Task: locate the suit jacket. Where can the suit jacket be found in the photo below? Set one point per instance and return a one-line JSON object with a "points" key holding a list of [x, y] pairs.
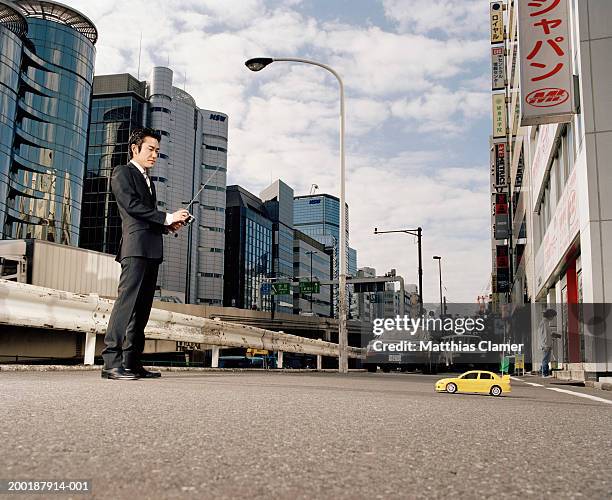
{"points": [[142, 224]]}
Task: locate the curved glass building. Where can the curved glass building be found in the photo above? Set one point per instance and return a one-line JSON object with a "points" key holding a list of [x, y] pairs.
{"points": [[46, 78]]}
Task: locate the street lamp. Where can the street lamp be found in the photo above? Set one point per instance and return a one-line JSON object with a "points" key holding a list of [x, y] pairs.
{"points": [[257, 64], [311, 252], [418, 232], [439, 259]]}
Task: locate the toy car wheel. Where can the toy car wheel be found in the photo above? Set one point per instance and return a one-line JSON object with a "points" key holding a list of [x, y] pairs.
{"points": [[451, 388], [496, 390]]}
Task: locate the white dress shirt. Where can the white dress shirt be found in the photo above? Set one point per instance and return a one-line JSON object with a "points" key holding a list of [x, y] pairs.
{"points": [[148, 181]]}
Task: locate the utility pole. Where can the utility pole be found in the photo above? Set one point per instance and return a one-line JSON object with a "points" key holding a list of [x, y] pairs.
{"points": [[418, 232]]}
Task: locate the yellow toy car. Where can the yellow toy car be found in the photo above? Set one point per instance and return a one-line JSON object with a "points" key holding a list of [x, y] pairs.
{"points": [[475, 381]]}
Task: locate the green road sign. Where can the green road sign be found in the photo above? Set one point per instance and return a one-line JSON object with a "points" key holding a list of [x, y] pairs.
{"points": [[310, 287], [281, 288]]}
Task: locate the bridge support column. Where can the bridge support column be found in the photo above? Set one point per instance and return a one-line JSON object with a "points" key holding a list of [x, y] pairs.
{"points": [[90, 348], [279, 360], [319, 362], [215, 357]]}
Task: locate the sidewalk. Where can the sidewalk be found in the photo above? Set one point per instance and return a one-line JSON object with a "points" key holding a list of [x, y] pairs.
{"points": [[552, 380]]}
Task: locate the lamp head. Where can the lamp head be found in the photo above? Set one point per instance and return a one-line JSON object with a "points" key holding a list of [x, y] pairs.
{"points": [[258, 63], [437, 257]]}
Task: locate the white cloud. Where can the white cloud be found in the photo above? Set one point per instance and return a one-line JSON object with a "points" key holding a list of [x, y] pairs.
{"points": [[450, 17], [450, 206], [424, 76], [441, 109], [378, 62]]}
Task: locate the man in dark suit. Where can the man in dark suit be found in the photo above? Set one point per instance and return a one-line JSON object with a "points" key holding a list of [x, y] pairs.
{"points": [[140, 254]]}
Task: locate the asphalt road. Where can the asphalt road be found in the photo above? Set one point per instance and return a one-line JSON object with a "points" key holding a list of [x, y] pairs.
{"points": [[320, 435]]}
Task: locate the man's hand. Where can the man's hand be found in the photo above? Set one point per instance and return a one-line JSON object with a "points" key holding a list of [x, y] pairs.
{"points": [[179, 216], [175, 226]]}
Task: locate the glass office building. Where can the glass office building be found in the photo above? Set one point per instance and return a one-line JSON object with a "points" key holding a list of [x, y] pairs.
{"points": [[193, 155], [278, 200], [318, 216], [248, 257], [46, 71], [311, 262], [118, 106]]}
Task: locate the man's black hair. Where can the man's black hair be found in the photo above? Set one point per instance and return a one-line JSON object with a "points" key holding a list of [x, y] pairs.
{"points": [[138, 136]]}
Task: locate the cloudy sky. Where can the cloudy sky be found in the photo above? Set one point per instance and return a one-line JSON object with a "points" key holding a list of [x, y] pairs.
{"points": [[416, 76]]}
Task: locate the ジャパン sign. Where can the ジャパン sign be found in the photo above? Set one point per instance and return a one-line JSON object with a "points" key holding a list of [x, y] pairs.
{"points": [[547, 84]]}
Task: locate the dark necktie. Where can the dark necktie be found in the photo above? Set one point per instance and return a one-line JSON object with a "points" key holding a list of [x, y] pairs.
{"points": [[148, 181]]}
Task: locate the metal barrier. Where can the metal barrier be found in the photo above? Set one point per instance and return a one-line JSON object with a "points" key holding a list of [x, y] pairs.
{"points": [[28, 305]]}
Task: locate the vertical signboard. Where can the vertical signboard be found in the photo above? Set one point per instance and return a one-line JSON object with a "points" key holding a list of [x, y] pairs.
{"points": [[503, 272], [497, 22], [500, 165], [501, 217], [498, 68], [499, 116], [547, 85]]}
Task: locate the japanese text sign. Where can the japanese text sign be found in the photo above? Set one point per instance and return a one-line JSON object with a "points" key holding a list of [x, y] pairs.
{"points": [[546, 70], [498, 68], [499, 115], [497, 22]]}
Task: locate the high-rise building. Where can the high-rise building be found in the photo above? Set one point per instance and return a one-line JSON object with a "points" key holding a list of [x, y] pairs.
{"points": [[318, 216], [311, 263], [193, 155], [249, 256], [278, 199], [551, 175], [118, 106], [46, 74]]}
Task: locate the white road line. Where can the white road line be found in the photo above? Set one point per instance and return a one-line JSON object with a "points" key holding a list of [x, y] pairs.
{"points": [[525, 382], [579, 394]]}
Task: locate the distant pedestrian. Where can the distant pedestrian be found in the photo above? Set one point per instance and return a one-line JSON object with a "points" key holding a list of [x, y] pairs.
{"points": [[545, 337]]}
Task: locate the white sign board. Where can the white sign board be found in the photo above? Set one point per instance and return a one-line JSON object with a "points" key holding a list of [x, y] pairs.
{"points": [[499, 115], [498, 68], [547, 88]]}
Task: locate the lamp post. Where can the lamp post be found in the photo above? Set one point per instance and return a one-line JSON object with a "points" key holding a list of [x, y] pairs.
{"points": [[418, 232], [257, 64], [311, 252], [439, 259]]}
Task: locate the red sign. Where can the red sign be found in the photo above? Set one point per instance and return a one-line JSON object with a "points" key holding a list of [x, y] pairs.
{"points": [[545, 98], [502, 260]]}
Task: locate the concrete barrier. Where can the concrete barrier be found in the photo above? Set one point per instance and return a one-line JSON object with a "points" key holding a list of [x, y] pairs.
{"points": [[28, 305]]}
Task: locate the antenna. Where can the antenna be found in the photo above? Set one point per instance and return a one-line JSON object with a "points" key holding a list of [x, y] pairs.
{"points": [[139, 55]]}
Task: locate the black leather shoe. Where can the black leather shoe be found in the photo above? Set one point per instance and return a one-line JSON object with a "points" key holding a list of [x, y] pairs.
{"points": [[142, 373], [119, 374]]}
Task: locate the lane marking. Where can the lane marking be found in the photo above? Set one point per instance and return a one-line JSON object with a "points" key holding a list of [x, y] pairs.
{"points": [[579, 394], [525, 382]]}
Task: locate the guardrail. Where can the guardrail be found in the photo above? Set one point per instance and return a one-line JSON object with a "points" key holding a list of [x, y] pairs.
{"points": [[33, 306]]}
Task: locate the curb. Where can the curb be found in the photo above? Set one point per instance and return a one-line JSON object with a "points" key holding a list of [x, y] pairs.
{"points": [[91, 368], [604, 386]]}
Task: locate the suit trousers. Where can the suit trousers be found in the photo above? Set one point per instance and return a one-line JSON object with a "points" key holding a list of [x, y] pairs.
{"points": [[125, 337]]}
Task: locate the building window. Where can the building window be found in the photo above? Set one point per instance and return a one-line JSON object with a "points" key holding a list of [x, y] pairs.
{"points": [[212, 167], [215, 148]]}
